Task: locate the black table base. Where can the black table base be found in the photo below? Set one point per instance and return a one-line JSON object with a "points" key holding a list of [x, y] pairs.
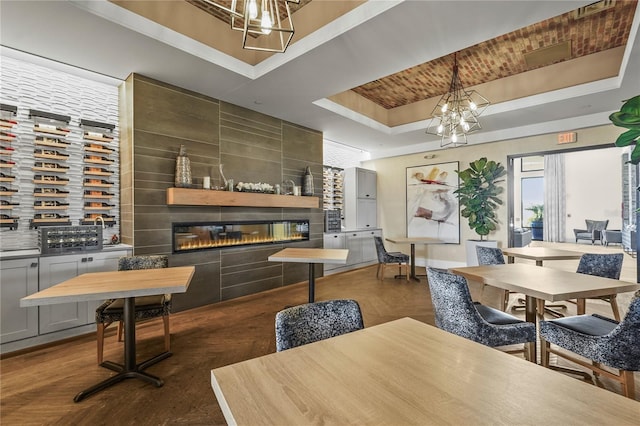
{"points": [[130, 370]]}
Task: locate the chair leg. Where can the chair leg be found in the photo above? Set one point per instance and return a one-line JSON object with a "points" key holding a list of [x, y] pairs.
{"points": [[505, 300], [628, 384], [119, 331], [167, 335], [378, 271], [100, 340], [382, 271], [529, 351], [544, 352], [614, 307]]}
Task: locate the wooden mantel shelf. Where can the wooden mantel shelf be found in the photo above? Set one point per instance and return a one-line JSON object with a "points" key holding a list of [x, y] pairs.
{"points": [[205, 197]]}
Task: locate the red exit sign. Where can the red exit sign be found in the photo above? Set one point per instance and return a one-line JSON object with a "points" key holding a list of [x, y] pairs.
{"points": [[568, 137]]}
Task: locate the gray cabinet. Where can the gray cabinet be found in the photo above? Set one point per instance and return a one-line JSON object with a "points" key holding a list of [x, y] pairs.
{"points": [[362, 249], [360, 192], [54, 270], [19, 278]]}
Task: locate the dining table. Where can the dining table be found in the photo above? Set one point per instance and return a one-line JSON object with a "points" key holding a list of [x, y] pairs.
{"points": [[125, 285], [312, 256], [413, 241], [539, 254], [544, 283], [406, 372]]}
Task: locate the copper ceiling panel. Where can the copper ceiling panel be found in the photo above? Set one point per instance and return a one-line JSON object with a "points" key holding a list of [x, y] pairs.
{"points": [[504, 56]]}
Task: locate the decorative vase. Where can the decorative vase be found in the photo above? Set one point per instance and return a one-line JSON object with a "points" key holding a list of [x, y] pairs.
{"points": [[307, 182], [183, 169]]}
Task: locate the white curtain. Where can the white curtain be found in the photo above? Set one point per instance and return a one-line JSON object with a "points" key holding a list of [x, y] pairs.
{"points": [[554, 198]]}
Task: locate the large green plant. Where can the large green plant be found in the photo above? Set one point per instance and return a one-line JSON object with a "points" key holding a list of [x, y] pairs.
{"points": [[629, 118], [479, 194]]}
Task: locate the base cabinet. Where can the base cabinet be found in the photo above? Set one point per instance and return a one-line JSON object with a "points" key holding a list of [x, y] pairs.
{"points": [[362, 249], [56, 269], [19, 279]]}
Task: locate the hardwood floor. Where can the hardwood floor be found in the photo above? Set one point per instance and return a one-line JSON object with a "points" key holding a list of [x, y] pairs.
{"points": [[37, 387]]}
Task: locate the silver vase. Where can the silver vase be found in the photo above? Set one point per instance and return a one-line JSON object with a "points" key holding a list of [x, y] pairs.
{"points": [[183, 169]]}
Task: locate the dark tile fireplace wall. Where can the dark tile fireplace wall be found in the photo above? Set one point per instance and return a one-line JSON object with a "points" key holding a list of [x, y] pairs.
{"points": [[155, 119]]}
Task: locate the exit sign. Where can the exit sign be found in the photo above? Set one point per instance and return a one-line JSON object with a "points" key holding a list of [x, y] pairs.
{"points": [[568, 137]]}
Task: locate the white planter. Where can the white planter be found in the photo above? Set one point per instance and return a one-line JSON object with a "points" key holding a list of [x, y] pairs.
{"points": [[472, 256]]}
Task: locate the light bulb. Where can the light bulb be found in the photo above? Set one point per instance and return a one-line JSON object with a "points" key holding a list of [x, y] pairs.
{"points": [[444, 108], [465, 126], [454, 138], [266, 24], [253, 9], [473, 106], [440, 129]]}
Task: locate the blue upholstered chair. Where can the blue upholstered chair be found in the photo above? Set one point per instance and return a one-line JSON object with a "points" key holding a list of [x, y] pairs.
{"points": [[311, 322], [147, 307], [493, 256], [385, 257], [456, 313], [599, 339]]}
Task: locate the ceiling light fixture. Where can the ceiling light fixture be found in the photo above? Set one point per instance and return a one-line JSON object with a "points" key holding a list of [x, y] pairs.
{"points": [[457, 112], [266, 25]]}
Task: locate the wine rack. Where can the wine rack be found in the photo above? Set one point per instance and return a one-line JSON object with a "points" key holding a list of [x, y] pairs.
{"points": [[332, 188], [7, 165], [50, 168], [97, 159]]}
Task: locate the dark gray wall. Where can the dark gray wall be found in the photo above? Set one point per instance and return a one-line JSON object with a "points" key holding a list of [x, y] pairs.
{"points": [[156, 120]]}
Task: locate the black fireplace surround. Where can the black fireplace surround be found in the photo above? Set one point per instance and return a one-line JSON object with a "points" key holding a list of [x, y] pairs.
{"points": [[194, 236]]}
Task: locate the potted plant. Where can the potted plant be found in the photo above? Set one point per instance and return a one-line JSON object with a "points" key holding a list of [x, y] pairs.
{"points": [[479, 196], [629, 118], [536, 221]]}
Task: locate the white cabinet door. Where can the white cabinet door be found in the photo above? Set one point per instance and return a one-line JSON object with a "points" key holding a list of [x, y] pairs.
{"points": [[333, 241], [18, 278], [367, 183], [54, 270], [354, 245], [367, 214], [369, 252]]}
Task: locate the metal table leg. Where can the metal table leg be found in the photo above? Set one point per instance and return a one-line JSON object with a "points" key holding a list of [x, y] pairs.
{"points": [[129, 370], [312, 282]]}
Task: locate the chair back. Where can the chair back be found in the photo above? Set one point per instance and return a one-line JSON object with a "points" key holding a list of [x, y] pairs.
{"points": [[129, 263], [623, 352], [380, 250], [489, 256], [311, 322], [602, 265], [452, 304], [596, 225]]}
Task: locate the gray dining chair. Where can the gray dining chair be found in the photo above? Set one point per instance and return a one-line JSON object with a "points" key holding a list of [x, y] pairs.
{"points": [[493, 256], [147, 307], [311, 322], [456, 313], [601, 340], [385, 258], [607, 265]]}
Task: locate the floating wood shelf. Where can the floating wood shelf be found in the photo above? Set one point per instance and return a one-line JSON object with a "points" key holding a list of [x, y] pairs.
{"points": [[98, 173], [100, 150], [204, 197], [51, 131], [51, 182], [97, 138], [52, 143], [6, 165], [92, 161], [50, 207], [51, 157], [98, 196]]}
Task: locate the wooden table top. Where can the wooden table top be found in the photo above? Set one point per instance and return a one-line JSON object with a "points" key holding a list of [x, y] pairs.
{"points": [[114, 285], [541, 253], [407, 372], [414, 240], [310, 255], [544, 283]]}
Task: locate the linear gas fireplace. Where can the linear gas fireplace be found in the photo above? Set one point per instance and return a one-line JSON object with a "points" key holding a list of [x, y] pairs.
{"points": [[189, 237]]}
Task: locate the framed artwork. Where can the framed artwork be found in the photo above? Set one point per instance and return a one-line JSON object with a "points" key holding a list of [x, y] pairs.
{"points": [[433, 209]]}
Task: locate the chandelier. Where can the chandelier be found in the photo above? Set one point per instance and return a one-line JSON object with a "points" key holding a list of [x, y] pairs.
{"points": [[457, 112], [266, 25]]}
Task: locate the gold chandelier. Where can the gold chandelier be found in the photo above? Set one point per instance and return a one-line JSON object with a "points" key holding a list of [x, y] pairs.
{"points": [[457, 112], [266, 25]]}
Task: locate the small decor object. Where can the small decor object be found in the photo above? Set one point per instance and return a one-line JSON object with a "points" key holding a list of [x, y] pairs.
{"points": [[183, 169], [206, 182], [479, 195], [629, 118], [114, 239], [536, 221], [259, 187], [307, 183]]}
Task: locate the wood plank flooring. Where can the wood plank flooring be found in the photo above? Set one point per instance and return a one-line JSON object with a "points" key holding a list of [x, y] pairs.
{"points": [[37, 387]]}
